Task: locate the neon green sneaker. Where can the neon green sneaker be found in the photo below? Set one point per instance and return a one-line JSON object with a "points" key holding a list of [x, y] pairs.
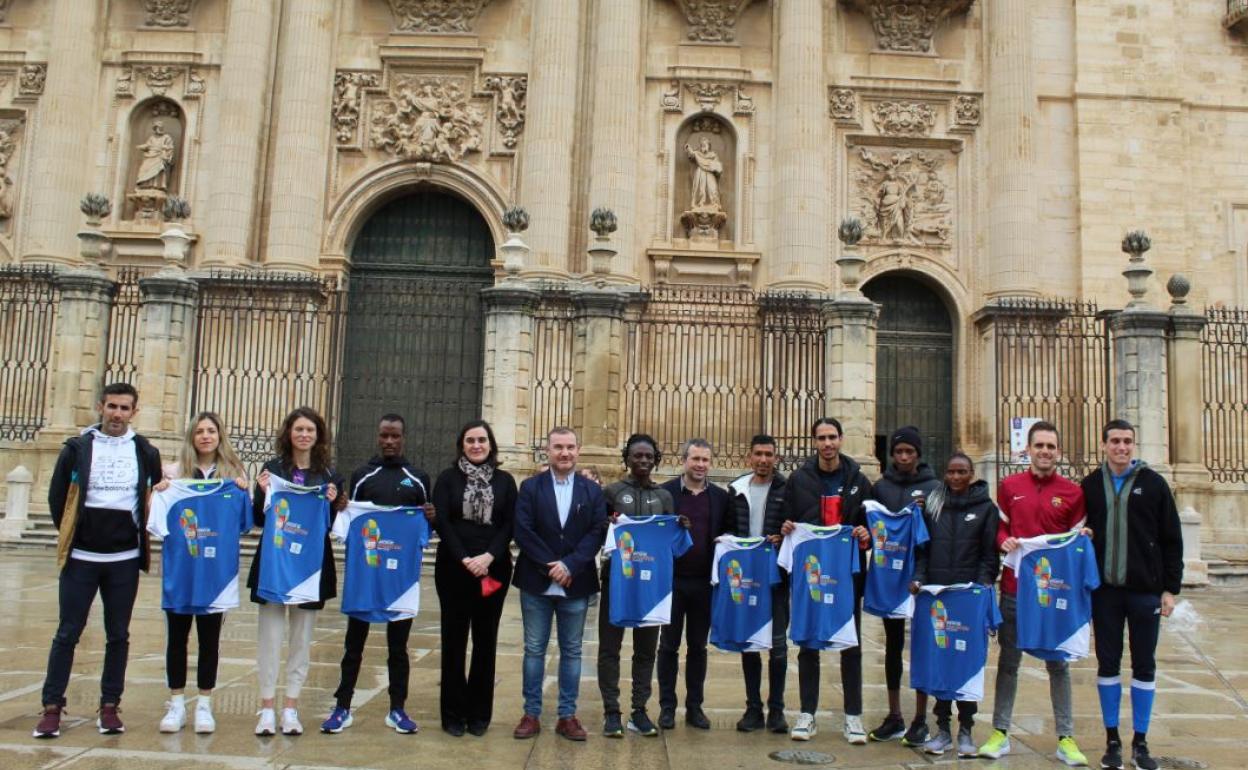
{"points": [[1068, 752], [998, 745]]}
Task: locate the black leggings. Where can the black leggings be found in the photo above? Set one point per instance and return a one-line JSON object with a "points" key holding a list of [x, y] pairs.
{"points": [[851, 666], [894, 645], [208, 629], [966, 713], [398, 665]]}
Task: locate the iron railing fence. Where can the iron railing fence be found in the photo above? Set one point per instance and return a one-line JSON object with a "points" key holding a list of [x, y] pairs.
{"points": [[552, 377], [1053, 362], [1224, 391], [124, 327], [29, 300]]}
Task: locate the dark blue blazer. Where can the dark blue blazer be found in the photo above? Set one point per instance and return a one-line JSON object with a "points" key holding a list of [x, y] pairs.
{"points": [[542, 540]]}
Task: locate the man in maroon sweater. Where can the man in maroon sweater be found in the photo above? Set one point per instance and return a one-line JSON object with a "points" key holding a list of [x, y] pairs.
{"points": [[1038, 501]]}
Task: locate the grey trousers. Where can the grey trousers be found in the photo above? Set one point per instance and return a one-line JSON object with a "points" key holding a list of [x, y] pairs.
{"points": [[1007, 676]]}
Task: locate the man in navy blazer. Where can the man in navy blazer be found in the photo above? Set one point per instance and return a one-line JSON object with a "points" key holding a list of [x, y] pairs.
{"points": [[561, 521]]}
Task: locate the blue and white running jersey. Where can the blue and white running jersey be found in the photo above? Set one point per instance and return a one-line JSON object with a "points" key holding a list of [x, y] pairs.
{"points": [[200, 523], [385, 545], [822, 562], [949, 640], [642, 552], [894, 536], [743, 572], [296, 520], [1056, 577]]}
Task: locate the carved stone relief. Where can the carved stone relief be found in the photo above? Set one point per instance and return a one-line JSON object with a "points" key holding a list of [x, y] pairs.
{"points": [[509, 106], [966, 111], [31, 78], [903, 118], [843, 104], [349, 88], [159, 78], [907, 25], [4, 9], [903, 196], [712, 21], [167, 13], [436, 16], [671, 100], [10, 129], [427, 118]]}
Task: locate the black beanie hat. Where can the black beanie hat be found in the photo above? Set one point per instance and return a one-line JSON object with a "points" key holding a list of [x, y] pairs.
{"points": [[906, 435]]}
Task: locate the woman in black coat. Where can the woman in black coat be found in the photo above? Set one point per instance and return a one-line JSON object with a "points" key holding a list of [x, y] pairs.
{"points": [[475, 502]]}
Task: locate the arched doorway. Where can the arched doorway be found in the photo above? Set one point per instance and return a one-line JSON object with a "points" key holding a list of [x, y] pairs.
{"points": [[415, 328], [913, 365]]}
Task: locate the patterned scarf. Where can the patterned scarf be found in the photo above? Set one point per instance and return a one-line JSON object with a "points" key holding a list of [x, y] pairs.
{"points": [[478, 494]]}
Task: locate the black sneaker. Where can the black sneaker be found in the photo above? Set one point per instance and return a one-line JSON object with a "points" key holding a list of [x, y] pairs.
{"points": [[1112, 758], [612, 725], [751, 720], [667, 718], [1140, 757], [892, 728], [916, 735], [696, 717], [639, 722], [776, 723]]}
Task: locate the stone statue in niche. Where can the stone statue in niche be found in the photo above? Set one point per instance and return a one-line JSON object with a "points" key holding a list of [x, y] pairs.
{"points": [[902, 198], [157, 163], [706, 216], [706, 171], [8, 147], [154, 162]]}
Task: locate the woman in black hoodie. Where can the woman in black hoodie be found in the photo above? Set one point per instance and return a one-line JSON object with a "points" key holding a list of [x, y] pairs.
{"points": [[961, 521]]}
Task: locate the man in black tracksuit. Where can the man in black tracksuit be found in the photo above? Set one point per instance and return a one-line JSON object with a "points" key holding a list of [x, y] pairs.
{"points": [[758, 511], [386, 479], [1139, 548], [830, 489]]}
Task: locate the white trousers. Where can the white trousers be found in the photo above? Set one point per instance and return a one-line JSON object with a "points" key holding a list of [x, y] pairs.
{"points": [[274, 619]]}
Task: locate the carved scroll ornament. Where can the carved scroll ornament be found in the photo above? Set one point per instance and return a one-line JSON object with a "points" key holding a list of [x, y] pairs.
{"points": [[167, 13], [427, 118], [907, 25], [436, 16]]}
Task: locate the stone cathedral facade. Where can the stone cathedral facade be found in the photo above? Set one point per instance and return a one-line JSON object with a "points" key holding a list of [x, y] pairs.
{"points": [[328, 161]]}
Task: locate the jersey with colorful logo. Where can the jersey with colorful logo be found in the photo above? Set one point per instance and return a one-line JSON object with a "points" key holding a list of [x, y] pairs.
{"points": [[894, 536], [743, 571], [1056, 577], [949, 640], [822, 562], [200, 523], [385, 545], [642, 552], [293, 544]]}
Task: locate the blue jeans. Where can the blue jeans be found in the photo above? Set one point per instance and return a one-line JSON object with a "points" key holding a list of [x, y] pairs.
{"points": [[536, 610]]}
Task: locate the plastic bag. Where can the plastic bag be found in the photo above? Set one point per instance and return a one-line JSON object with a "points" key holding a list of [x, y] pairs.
{"points": [[1184, 618]]}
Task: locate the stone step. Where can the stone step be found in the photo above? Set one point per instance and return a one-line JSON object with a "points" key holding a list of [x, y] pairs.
{"points": [[1224, 572]]}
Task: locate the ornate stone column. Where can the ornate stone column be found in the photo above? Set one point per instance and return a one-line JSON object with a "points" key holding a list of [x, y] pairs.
{"points": [[1192, 482], [60, 162], [168, 308], [509, 310], [597, 360], [801, 190], [849, 374], [1010, 117], [237, 130], [546, 168], [305, 82], [82, 321], [617, 110]]}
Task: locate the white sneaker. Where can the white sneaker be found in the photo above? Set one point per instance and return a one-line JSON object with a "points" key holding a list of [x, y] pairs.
{"points": [[290, 722], [853, 730], [804, 728], [204, 721], [175, 717], [268, 722]]}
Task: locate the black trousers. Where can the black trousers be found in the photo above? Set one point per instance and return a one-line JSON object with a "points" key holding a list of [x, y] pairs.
{"points": [[691, 617], [208, 630], [117, 584], [1114, 607], [966, 713], [851, 666], [777, 656], [398, 666], [468, 699], [610, 641], [894, 645]]}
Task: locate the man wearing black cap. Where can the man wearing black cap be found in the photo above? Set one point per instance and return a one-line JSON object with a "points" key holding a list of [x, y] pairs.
{"points": [[908, 479]]}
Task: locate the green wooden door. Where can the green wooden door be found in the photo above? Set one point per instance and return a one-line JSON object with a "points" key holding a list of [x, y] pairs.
{"points": [[415, 327], [913, 366]]}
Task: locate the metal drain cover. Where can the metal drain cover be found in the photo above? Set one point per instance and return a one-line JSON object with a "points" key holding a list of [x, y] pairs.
{"points": [[1181, 763], [798, 757]]}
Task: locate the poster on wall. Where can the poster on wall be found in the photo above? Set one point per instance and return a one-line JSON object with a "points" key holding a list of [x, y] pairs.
{"points": [[1018, 439]]}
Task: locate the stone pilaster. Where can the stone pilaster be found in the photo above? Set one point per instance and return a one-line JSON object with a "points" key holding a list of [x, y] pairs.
{"points": [[82, 320], [616, 124], [1140, 381], [1010, 117], [305, 80], [168, 308], [597, 368], [60, 159], [549, 138], [801, 212], [849, 375], [506, 396], [1192, 482], [237, 131]]}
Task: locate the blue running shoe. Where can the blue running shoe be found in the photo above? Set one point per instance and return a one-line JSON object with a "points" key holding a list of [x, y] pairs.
{"points": [[339, 719], [401, 722]]}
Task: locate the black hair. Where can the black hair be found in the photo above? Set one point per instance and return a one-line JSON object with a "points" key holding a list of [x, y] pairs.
{"points": [[762, 439], [1116, 424], [1043, 425], [492, 457], [700, 443], [320, 454], [393, 417], [961, 456], [835, 423], [119, 389], [642, 438]]}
